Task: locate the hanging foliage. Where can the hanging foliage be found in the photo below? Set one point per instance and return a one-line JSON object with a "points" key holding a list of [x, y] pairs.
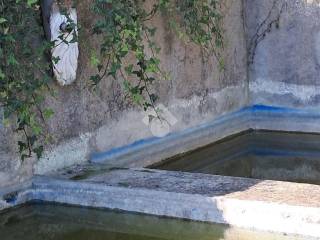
{"points": [[126, 32], [24, 72]]}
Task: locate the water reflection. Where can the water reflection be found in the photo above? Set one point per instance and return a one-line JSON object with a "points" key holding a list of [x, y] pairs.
{"points": [[50, 222], [260, 154]]}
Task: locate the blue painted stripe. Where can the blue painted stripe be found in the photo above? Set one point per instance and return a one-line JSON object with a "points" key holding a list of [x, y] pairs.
{"points": [[255, 110], [141, 144], [284, 111]]}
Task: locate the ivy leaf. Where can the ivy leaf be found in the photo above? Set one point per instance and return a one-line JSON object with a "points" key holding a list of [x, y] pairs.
{"points": [[2, 20], [94, 60], [129, 69], [74, 38], [48, 113], [31, 2], [153, 98], [38, 151], [95, 79], [2, 76], [22, 146], [55, 60], [137, 98], [114, 68], [32, 140], [127, 86], [12, 60], [124, 50]]}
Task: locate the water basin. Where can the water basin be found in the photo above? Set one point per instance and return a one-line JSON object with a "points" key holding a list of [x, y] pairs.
{"points": [[284, 156]]}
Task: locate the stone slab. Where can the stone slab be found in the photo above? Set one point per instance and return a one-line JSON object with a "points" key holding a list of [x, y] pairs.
{"points": [[284, 207], [271, 206]]}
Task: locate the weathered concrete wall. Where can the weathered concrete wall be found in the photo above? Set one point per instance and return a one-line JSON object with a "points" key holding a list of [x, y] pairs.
{"points": [[86, 122], [284, 55]]}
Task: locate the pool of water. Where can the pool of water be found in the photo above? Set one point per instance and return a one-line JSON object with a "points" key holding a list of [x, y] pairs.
{"points": [[286, 156], [42, 221]]}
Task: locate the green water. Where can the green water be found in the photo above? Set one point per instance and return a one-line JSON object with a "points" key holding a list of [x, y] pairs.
{"points": [[50, 222], [287, 156]]}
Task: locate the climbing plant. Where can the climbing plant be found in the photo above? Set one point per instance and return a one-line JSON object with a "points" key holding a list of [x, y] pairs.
{"points": [[24, 73], [199, 22], [127, 31], [128, 52]]}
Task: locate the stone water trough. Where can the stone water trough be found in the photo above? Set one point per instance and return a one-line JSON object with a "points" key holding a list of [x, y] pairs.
{"points": [[124, 179]]}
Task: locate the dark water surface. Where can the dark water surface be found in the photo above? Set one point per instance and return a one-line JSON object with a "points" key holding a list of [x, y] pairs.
{"points": [[48, 222], [255, 154]]}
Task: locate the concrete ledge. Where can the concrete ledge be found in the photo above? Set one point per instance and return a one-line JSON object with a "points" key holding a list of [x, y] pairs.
{"points": [[16, 195], [149, 151], [273, 206]]}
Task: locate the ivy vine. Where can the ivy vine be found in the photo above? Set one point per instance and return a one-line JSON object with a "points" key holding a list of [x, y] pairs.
{"points": [[24, 73], [128, 52], [126, 31]]}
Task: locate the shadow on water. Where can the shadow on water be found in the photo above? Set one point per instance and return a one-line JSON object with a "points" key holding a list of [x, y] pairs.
{"points": [[273, 155], [52, 222]]}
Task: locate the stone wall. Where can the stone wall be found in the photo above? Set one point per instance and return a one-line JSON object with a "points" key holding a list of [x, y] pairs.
{"points": [[87, 122], [271, 54], [284, 55]]}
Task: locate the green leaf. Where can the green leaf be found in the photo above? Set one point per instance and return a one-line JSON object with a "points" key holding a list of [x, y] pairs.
{"points": [[129, 69], [38, 151], [2, 76], [55, 60], [12, 60], [2, 20], [95, 79], [137, 98], [22, 146], [31, 2], [94, 60], [48, 113]]}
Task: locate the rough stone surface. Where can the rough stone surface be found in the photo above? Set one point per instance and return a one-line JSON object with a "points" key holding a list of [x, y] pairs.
{"points": [[197, 93], [284, 72], [209, 185], [285, 68]]}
